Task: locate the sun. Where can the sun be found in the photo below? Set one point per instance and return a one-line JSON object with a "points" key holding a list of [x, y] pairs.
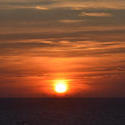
{"points": [[60, 86]]}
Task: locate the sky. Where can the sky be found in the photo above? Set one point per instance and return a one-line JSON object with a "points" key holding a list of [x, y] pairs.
{"points": [[80, 41]]}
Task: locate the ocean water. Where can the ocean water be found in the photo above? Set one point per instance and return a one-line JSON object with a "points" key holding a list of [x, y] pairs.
{"points": [[63, 111]]}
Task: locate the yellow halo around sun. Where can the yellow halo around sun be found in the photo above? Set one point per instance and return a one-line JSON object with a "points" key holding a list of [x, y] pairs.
{"points": [[60, 86]]}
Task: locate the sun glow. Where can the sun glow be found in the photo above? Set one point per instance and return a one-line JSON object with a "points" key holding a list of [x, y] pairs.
{"points": [[61, 86]]}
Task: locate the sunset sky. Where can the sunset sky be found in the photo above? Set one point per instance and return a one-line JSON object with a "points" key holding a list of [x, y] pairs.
{"points": [[79, 41]]}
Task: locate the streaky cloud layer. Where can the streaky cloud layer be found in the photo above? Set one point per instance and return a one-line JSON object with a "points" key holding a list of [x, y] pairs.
{"points": [[81, 41]]}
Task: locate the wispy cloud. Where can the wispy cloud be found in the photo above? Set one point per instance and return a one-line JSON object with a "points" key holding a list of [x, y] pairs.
{"points": [[16, 7], [70, 21], [41, 8], [62, 48], [101, 14], [104, 4]]}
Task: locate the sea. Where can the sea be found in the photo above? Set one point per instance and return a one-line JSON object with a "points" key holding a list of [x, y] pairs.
{"points": [[62, 111]]}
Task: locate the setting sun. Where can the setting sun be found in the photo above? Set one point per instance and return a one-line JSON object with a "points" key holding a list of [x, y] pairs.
{"points": [[61, 86]]}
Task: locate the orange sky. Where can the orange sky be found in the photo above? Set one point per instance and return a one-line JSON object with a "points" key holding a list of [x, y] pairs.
{"points": [[78, 41]]}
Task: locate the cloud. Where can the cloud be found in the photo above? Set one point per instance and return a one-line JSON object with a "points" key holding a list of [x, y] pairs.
{"points": [[76, 5], [16, 7], [70, 21], [62, 48], [54, 16], [101, 14], [41, 8], [84, 34]]}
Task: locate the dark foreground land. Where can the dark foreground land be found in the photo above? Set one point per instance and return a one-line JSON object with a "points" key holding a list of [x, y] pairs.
{"points": [[62, 111]]}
